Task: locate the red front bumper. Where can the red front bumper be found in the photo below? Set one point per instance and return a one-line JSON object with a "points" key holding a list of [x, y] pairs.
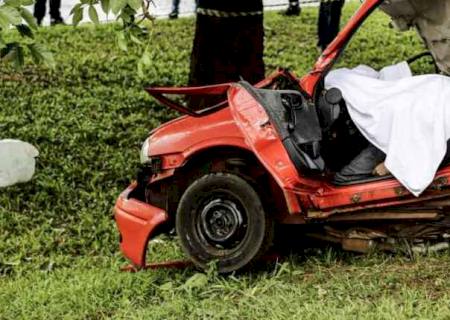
{"points": [[136, 221]]}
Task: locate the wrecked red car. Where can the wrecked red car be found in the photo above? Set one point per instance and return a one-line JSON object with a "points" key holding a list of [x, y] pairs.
{"points": [[223, 176]]}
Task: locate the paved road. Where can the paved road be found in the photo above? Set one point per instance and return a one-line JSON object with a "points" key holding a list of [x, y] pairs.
{"points": [[162, 8]]}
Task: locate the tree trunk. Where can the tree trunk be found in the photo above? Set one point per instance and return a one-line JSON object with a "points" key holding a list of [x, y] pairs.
{"points": [[228, 43]]}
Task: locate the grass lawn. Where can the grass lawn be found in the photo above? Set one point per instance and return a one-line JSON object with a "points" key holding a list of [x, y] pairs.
{"points": [[59, 253]]}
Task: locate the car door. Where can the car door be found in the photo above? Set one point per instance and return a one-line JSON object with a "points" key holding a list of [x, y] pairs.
{"points": [[265, 142]]}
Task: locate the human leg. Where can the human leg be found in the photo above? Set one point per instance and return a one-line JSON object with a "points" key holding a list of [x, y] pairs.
{"points": [[175, 8], [329, 20], [39, 10], [293, 8], [55, 13]]}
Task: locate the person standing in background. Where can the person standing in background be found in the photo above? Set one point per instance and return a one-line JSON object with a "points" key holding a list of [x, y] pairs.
{"points": [[329, 21], [175, 8], [228, 44], [293, 8], [55, 14]]}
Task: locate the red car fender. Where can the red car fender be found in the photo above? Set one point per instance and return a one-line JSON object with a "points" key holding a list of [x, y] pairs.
{"points": [[137, 222], [190, 133], [173, 161]]}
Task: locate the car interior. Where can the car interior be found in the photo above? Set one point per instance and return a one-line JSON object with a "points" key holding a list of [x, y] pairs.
{"points": [[320, 137]]}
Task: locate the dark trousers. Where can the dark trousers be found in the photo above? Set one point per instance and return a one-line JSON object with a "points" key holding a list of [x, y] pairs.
{"points": [[294, 3], [39, 9], [329, 20], [227, 49], [175, 5]]}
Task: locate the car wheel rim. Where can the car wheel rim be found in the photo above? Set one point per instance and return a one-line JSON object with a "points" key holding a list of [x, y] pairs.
{"points": [[222, 223]]}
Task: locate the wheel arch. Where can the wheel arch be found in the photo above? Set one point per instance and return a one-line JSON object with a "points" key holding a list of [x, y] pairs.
{"points": [[231, 159]]}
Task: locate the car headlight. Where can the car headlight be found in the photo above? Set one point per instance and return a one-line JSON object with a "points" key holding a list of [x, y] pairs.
{"points": [[145, 159]]}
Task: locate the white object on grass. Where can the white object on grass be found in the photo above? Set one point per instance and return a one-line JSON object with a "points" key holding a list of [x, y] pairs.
{"points": [[406, 117], [17, 162]]}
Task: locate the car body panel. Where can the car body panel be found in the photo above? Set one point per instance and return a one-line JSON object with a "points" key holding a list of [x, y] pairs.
{"points": [[137, 222], [244, 124], [189, 135], [262, 137], [254, 123]]}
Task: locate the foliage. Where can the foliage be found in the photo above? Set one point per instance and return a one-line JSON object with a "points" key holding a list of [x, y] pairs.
{"points": [[13, 14], [58, 242], [132, 14]]}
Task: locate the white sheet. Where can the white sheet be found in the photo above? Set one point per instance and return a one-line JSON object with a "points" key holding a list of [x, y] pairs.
{"points": [[17, 162], [405, 116]]}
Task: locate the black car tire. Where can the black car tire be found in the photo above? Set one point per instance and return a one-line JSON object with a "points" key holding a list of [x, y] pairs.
{"points": [[221, 218]]}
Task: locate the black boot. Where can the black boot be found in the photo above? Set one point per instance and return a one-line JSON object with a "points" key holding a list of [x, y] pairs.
{"points": [[55, 21], [293, 9], [361, 167], [173, 15]]}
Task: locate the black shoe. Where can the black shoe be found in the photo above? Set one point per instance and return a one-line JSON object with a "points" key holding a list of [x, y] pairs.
{"points": [[361, 167], [173, 15], [293, 11], [55, 21]]}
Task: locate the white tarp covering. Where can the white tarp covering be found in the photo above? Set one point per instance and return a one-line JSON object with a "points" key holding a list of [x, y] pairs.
{"points": [[17, 162], [431, 18], [406, 117]]}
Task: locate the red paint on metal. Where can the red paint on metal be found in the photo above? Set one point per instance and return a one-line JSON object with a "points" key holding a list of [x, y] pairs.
{"points": [[244, 124], [173, 264], [332, 196], [181, 138], [136, 221], [335, 48], [293, 202], [262, 137], [183, 264]]}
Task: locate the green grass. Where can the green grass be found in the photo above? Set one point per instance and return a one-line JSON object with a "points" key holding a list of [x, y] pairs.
{"points": [[59, 253]]}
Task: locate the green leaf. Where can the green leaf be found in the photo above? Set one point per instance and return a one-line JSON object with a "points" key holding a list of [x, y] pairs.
{"points": [[41, 54], [11, 14], [135, 39], [197, 281], [14, 3], [140, 71], [117, 5], [25, 31], [28, 17], [121, 41], [93, 14], [2, 43], [7, 48], [75, 7], [4, 21], [146, 60], [135, 4], [27, 2], [105, 6], [127, 14], [77, 15], [13, 53]]}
